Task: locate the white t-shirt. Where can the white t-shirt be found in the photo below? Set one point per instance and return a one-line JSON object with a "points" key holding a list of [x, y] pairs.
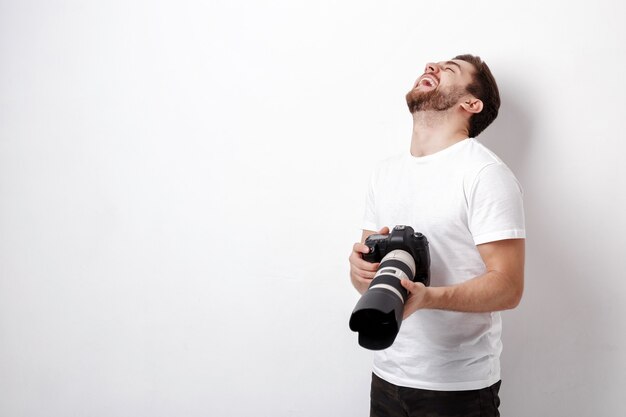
{"points": [[459, 197]]}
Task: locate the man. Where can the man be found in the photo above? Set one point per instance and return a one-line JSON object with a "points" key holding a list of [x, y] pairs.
{"points": [[445, 360]]}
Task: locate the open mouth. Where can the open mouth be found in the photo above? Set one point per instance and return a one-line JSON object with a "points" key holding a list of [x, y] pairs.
{"points": [[427, 81]]}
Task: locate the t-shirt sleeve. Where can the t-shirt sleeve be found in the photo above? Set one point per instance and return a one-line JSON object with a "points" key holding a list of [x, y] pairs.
{"points": [[496, 210], [369, 217]]}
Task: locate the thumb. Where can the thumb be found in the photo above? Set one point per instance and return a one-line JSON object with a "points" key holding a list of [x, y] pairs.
{"points": [[407, 284], [410, 285]]}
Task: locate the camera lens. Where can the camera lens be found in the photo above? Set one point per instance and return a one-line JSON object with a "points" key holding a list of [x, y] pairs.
{"points": [[378, 314], [396, 265]]}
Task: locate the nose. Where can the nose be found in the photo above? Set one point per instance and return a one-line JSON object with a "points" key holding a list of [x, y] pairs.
{"points": [[431, 67]]}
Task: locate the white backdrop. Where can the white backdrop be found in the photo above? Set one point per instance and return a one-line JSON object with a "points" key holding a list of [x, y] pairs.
{"points": [[181, 184]]}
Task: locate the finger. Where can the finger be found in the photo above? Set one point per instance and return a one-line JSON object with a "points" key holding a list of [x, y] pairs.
{"points": [[355, 256], [412, 287], [364, 265], [409, 285], [357, 260], [369, 273], [361, 248], [384, 231], [363, 279], [362, 282], [366, 274]]}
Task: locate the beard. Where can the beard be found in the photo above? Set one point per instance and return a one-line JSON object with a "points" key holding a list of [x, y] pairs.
{"points": [[433, 100]]}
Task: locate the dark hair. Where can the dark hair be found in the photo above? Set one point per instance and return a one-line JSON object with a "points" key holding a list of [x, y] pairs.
{"points": [[484, 88]]}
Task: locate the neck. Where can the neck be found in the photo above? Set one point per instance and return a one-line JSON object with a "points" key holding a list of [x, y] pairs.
{"points": [[434, 131]]}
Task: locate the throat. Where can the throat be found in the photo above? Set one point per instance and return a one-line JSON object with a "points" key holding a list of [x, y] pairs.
{"points": [[432, 133]]}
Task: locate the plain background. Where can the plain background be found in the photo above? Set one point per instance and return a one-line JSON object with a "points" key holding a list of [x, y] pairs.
{"points": [[181, 184]]}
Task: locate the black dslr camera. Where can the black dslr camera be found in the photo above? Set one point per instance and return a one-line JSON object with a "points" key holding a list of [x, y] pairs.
{"points": [[378, 314]]}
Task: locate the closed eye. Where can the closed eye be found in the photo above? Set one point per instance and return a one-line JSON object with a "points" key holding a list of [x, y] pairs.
{"points": [[449, 69]]}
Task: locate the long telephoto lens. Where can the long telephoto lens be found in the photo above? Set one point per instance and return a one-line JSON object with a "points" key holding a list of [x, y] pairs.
{"points": [[378, 314]]}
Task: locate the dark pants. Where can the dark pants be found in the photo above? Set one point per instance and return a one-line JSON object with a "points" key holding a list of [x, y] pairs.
{"points": [[388, 400]]}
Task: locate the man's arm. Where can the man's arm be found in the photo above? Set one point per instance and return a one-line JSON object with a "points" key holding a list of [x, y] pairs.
{"points": [[362, 272], [500, 288]]}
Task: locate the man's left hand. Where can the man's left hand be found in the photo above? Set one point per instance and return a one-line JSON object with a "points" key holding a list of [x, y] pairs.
{"points": [[417, 297]]}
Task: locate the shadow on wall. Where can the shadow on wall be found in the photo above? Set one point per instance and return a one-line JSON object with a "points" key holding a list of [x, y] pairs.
{"points": [[552, 340], [510, 137], [510, 134]]}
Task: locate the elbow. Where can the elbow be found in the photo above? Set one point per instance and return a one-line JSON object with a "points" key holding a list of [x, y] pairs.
{"points": [[514, 296], [513, 302]]}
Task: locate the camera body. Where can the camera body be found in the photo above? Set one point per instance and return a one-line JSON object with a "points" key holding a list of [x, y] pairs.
{"points": [[406, 239], [378, 314]]}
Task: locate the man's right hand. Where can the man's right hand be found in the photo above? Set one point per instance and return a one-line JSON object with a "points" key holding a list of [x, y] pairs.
{"points": [[362, 272]]}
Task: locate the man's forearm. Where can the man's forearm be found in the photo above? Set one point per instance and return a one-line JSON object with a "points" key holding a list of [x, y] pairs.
{"points": [[492, 291]]}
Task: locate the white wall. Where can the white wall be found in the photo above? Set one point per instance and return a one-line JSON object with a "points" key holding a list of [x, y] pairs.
{"points": [[181, 183]]}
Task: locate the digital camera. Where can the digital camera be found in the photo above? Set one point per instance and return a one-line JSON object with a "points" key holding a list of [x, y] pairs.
{"points": [[378, 315]]}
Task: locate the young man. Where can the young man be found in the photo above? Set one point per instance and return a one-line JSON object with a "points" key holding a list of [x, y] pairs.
{"points": [[445, 360]]}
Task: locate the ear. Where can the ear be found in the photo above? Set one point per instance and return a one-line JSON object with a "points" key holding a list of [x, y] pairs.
{"points": [[472, 105]]}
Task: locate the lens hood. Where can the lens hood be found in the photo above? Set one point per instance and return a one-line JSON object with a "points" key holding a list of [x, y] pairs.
{"points": [[377, 318]]}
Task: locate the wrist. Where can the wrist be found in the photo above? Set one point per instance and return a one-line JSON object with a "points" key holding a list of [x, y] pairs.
{"points": [[433, 297]]}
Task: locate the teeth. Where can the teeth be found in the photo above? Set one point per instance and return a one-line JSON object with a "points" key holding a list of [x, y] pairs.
{"points": [[428, 81]]}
